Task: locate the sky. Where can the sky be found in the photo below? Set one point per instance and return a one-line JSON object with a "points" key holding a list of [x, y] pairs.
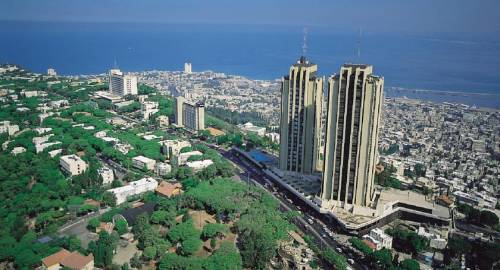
{"points": [[410, 16]]}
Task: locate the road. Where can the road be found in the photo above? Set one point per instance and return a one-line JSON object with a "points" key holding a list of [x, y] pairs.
{"points": [[78, 227], [309, 223]]}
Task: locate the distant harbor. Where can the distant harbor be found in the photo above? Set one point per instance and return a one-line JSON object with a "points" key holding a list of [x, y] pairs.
{"points": [[488, 100]]}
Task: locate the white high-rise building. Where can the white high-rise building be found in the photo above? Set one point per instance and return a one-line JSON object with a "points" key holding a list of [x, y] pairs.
{"points": [[122, 84], [354, 108], [188, 68], [301, 107], [189, 115], [51, 72]]}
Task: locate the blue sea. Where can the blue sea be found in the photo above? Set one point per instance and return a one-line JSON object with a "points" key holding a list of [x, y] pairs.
{"points": [[444, 62]]}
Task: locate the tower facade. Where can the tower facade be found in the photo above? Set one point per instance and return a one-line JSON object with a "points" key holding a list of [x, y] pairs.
{"points": [[300, 128], [122, 84], [189, 115], [354, 107], [179, 111], [194, 115], [188, 68]]}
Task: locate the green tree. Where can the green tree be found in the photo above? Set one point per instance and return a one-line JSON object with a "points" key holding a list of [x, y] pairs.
{"points": [[488, 218], [420, 170], [149, 253], [186, 149], [213, 243], [109, 199], [93, 224], [458, 246], [410, 264], [74, 243], [172, 261], [190, 246], [360, 245], [166, 218], [335, 259], [121, 226], [258, 247], [183, 231], [136, 262], [104, 249], [382, 258], [211, 230], [224, 258]]}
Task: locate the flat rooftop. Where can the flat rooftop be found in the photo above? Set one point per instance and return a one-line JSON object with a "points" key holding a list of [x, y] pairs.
{"points": [[413, 198]]}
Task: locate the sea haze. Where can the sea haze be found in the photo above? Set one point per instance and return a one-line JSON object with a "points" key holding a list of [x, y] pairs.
{"points": [[437, 62]]}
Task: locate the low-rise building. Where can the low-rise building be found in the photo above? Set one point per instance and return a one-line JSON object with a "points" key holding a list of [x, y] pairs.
{"points": [[28, 94], [183, 157], [275, 137], [18, 150], [438, 243], [39, 140], [173, 147], [100, 134], [142, 162], [106, 175], [148, 108], [169, 189], [134, 188], [42, 146], [379, 238], [249, 127], [162, 168], [65, 259], [199, 165], [72, 164], [163, 121], [55, 104], [44, 116], [54, 153], [42, 130], [6, 127]]}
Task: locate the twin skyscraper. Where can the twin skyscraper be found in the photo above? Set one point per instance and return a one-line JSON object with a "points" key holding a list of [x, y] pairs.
{"points": [[332, 134]]}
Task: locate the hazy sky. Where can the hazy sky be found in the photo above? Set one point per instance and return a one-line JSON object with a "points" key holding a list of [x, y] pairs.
{"points": [[373, 15]]}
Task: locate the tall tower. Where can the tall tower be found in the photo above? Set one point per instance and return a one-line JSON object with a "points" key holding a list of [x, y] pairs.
{"points": [[122, 84], [188, 68], [301, 101], [116, 82], [354, 108], [179, 111]]}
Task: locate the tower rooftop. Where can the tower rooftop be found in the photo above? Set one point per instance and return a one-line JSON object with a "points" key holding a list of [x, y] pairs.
{"points": [[303, 61]]}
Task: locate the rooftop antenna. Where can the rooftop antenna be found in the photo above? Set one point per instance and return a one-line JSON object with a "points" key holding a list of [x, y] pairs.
{"points": [[359, 43], [304, 44], [115, 66]]}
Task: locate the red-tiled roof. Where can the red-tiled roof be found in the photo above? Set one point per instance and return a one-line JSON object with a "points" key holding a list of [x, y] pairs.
{"points": [[55, 258], [370, 244], [168, 189], [77, 261]]}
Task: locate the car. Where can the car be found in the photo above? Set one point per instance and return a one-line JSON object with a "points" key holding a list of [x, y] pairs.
{"points": [[310, 221], [350, 261], [339, 250]]}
